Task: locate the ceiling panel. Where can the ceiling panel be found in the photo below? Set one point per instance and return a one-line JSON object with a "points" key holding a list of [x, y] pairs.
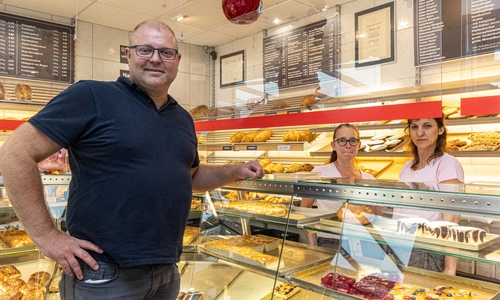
{"points": [[239, 31], [112, 16], [153, 8], [63, 8], [210, 38], [200, 16]]}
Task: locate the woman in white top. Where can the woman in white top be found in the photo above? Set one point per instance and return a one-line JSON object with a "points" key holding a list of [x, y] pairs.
{"points": [[434, 167], [345, 147]]}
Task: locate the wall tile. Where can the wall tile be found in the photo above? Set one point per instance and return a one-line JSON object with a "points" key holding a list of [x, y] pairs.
{"points": [[105, 70], [199, 90], [84, 42], [180, 89], [107, 41], [83, 68], [184, 49]]}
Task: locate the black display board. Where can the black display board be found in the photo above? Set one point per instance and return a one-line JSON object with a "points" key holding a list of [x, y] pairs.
{"points": [[296, 57], [36, 50], [451, 29]]}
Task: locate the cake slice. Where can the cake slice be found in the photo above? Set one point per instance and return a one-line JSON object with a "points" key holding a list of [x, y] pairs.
{"points": [[467, 235], [411, 225], [285, 290], [438, 229], [338, 282]]}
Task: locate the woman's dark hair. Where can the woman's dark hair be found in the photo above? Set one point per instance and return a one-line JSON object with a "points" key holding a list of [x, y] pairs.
{"points": [[333, 157], [440, 143]]}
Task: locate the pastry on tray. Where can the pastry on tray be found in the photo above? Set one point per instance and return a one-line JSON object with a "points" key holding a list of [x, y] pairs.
{"points": [[16, 238], [285, 290]]}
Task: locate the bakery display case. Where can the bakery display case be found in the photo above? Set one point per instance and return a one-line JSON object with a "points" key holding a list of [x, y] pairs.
{"points": [[373, 252], [25, 266]]}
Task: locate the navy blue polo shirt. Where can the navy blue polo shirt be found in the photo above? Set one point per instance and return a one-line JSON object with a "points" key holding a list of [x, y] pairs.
{"points": [[131, 186]]}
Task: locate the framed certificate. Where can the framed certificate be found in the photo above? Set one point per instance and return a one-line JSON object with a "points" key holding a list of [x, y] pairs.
{"points": [[232, 68], [375, 35]]}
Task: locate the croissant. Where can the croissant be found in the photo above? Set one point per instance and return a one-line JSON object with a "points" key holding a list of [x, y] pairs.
{"points": [[293, 168], [236, 138], [264, 162], [307, 167], [263, 136], [269, 168], [249, 137], [290, 136], [278, 168]]}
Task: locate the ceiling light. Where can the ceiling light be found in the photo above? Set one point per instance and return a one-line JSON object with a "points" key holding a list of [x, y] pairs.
{"points": [[276, 21], [178, 17]]}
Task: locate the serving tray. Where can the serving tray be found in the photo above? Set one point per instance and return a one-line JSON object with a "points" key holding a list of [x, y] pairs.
{"points": [[296, 256], [298, 215], [385, 229]]}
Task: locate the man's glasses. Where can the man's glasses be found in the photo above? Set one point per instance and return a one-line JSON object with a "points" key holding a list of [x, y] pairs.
{"points": [[343, 141], [145, 51]]}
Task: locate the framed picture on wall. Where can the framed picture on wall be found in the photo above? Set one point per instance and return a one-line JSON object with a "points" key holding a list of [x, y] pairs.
{"points": [[232, 69], [375, 35]]}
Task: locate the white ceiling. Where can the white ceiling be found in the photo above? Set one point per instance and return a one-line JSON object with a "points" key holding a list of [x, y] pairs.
{"points": [[205, 25]]}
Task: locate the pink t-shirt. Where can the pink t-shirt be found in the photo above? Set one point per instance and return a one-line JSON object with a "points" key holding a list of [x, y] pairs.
{"points": [[331, 171], [443, 168]]}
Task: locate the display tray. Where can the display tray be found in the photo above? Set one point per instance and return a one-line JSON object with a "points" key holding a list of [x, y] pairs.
{"points": [[385, 229], [295, 256], [298, 215], [311, 279]]}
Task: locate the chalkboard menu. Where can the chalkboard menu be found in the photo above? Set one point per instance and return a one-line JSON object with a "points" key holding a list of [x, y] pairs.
{"points": [[33, 49], [451, 29], [294, 58]]}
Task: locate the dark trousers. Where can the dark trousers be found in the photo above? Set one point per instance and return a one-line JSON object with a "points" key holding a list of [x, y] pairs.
{"points": [[149, 282]]}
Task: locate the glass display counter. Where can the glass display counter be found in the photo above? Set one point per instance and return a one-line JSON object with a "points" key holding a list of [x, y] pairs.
{"points": [[374, 246]]}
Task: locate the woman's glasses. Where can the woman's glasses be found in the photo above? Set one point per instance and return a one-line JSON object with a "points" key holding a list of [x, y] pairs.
{"points": [[343, 141]]}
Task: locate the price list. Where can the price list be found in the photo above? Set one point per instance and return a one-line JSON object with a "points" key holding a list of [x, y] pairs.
{"points": [[451, 29], [34, 49], [294, 58]]}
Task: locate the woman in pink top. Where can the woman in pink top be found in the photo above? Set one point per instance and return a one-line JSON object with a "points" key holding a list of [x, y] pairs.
{"points": [[434, 167], [345, 147]]}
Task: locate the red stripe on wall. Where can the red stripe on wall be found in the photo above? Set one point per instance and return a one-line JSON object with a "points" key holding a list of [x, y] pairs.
{"points": [[480, 105], [371, 113], [10, 124]]}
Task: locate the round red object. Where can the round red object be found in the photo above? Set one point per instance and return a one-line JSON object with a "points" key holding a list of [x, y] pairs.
{"points": [[241, 11]]}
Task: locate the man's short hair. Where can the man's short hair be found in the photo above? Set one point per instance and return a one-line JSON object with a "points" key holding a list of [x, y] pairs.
{"points": [[156, 24]]}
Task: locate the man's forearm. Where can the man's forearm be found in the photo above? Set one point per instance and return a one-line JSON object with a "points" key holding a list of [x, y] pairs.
{"points": [[209, 177], [25, 192]]}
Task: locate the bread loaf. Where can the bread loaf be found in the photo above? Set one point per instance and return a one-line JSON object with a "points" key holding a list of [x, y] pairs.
{"points": [[2, 92], [199, 111], [23, 92], [277, 104], [356, 214], [308, 100]]}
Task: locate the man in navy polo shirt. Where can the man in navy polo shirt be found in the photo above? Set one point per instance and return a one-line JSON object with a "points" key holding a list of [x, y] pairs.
{"points": [[134, 162]]}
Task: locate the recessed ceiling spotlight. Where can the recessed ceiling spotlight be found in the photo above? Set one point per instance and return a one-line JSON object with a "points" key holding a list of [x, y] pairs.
{"points": [[178, 17], [277, 21]]}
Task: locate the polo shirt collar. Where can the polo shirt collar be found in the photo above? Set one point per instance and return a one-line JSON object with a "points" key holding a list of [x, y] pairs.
{"points": [[129, 83]]}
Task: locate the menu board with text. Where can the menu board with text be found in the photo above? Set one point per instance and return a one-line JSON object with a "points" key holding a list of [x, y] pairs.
{"points": [[451, 29], [36, 50], [296, 57]]}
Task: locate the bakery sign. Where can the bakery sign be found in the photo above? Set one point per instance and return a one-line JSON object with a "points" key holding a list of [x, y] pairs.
{"points": [[34, 49]]}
